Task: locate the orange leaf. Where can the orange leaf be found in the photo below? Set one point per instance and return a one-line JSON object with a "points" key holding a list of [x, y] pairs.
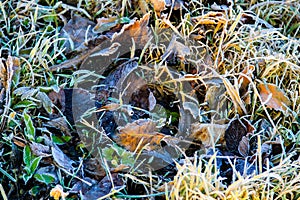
{"points": [[158, 5], [273, 96], [139, 133], [138, 31]]}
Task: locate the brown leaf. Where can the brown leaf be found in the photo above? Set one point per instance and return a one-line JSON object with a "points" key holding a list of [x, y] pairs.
{"points": [[176, 50], [58, 99], [139, 133], [61, 124], [208, 134], [138, 31], [158, 5], [273, 96], [105, 24], [40, 150], [237, 129], [76, 31]]}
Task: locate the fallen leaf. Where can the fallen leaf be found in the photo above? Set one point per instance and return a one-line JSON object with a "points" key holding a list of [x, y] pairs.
{"points": [[138, 31], [40, 149], [273, 96], [104, 187], [77, 31], [244, 83], [208, 134], [82, 102], [138, 134], [236, 130], [176, 50], [61, 124], [210, 18], [152, 101], [58, 99], [158, 5], [62, 159], [105, 24]]}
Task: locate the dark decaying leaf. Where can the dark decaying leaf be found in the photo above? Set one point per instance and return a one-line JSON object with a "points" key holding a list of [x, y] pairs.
{"points": [[82, 101], [104, 187], [62, 159], [40, 150], [61, 124], [58, 99], [237, 129], [244, 82], [75, 32]]}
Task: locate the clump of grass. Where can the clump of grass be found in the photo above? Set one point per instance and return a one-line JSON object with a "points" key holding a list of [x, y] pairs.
{"points": [[199, 179]]}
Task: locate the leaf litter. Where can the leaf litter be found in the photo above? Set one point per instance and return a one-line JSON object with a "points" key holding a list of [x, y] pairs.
{"points": [[239, 145]]}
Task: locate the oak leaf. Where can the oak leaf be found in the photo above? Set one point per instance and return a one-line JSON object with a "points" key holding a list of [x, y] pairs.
{"points": [[273, 96]]}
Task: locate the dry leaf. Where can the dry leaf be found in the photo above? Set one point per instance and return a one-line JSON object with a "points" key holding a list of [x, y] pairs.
{"points": [[237, 129], [152, 101], [210, 18], [58, 99], [62, 159], [40, 150], [61, 124], [137, 31], [208, 134], [158, 5], [105, 24], [176, 50], [138, 134], [104, 187], [76, 31], [273, 96]]}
